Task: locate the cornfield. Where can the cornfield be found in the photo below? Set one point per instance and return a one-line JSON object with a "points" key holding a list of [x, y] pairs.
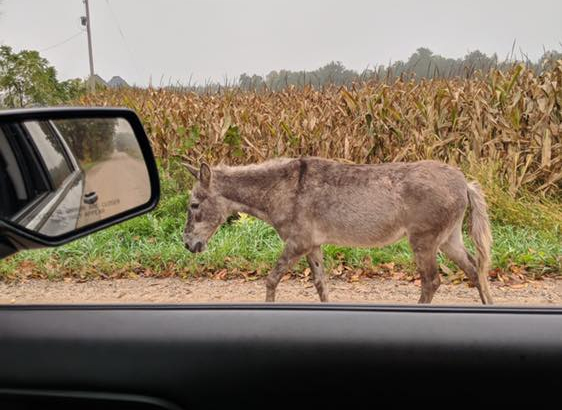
{"points": [[511, 118]]}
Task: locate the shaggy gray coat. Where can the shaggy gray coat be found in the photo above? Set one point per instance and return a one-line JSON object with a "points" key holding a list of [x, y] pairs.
{"points": [[313, 201]]}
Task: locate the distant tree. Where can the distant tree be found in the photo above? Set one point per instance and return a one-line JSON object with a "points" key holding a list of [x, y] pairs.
{"points": [[336, 73], [478, 61], [423, 63], [27, 79], [548, 58], [250, 83]]}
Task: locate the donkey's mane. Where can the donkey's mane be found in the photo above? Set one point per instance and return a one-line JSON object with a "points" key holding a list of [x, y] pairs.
{"points": [[262, 166]]}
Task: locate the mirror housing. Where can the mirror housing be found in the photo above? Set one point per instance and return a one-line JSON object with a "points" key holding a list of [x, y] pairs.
{"points": [[131, 150]]}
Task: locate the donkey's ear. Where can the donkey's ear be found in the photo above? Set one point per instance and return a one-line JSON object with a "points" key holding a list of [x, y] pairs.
{"points": [[205, 175], [193, 170]]}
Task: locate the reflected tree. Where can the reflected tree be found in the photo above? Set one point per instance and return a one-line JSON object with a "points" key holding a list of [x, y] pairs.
{"points": [[91, 139]]}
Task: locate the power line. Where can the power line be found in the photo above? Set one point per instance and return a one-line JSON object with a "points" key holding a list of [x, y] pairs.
{"points": [[116, 21], [62, 42]]}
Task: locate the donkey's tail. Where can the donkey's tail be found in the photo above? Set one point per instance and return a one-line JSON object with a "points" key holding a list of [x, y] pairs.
{"points": [[479, 229]]}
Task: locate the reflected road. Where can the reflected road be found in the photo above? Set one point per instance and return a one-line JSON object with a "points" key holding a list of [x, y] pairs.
{"points": [[121, 183]]}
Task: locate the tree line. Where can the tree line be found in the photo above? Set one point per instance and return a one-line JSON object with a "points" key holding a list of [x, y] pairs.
{"points": [[423, 63], [27, 79]]}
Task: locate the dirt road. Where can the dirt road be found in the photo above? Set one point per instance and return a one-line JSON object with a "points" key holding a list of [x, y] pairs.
{"points": [[121, 183], [545, 292]]}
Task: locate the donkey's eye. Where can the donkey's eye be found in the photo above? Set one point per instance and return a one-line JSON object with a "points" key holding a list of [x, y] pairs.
{"points": [[194, 206]]}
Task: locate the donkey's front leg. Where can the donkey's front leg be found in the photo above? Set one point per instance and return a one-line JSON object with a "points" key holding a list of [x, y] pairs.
{"points": [[290, 256]]}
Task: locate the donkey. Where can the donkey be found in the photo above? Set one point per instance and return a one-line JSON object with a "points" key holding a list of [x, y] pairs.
{"points": [[312, 201]]}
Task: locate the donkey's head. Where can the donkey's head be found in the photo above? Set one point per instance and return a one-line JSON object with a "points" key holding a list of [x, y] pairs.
{"points": [[207, 210]]}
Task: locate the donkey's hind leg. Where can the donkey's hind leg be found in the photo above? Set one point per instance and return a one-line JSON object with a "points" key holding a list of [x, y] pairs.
{"points": [[425, 252], [455, 250], [291, 254], [316, 261]]}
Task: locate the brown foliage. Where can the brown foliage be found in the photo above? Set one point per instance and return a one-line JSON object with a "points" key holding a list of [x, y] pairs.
{"points": [[512, 118]]}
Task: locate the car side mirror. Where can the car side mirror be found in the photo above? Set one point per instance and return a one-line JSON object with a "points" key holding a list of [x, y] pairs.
{"points": [[68, 172]]}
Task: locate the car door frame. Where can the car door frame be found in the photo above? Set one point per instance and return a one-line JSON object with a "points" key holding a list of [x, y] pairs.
{"points": [[50, 200]]}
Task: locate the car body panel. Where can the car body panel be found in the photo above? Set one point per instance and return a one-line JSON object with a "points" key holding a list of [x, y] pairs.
{"points": [[202, 356]]}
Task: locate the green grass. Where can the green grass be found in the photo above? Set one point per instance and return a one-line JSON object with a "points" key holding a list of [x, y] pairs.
{"points": [[152, 245]]}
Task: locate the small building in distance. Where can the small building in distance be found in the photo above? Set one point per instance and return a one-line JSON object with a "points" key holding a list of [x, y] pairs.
{"points": [[117, 82]]}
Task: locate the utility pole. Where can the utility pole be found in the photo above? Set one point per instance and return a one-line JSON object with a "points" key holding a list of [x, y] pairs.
{"points": [[86, 22]]}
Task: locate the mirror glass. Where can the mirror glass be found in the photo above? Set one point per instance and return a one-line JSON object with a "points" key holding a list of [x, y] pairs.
{"points": [[57, 176]]}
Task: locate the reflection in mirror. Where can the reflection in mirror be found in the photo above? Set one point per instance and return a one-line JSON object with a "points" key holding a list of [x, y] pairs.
{"points": [[60, 175]]}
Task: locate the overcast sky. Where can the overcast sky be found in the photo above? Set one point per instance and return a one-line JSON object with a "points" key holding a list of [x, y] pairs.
{"points": [[211, 39]]}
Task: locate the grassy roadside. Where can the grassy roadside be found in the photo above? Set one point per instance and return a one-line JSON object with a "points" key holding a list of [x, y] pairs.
{"points": [[151, 245]]}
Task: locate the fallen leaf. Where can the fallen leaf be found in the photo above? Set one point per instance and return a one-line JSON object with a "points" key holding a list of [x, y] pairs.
{"points": [[354, 278], [399, 275], [221, 275], [387, 266]]}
